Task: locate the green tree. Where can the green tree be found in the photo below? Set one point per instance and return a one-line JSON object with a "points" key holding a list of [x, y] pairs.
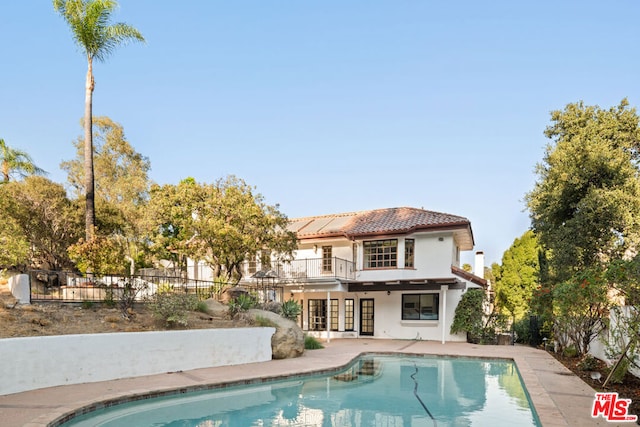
{"points": [[89, 24], [222, 224], [585, 206], [14, 247], [42, 215], [518, 276], [121, 187], [579, 305], [585, 211], [16, 162]]}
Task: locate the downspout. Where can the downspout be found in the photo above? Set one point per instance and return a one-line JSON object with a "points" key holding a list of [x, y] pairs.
{"points": [[444, 289], [328, 317]]}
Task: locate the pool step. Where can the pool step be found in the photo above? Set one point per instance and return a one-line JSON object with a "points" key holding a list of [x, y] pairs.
{"points": [[366, 368]]}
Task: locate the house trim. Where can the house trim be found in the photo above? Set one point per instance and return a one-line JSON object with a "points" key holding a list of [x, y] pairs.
{"points": [[406, 285]]}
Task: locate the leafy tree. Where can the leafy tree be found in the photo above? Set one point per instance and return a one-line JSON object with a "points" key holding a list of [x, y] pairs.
{"points": [[16, 162], [100, 255], [14, 247], [518, 276], [579, 307], [89, 24], [222, 224], [585, 210], [121, 186], [585, 206], [470, 317], [41, 214]]}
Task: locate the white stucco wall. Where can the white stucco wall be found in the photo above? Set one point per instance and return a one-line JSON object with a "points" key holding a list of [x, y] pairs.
{"points": [[19, 288], [38, 362], [388, 321]]}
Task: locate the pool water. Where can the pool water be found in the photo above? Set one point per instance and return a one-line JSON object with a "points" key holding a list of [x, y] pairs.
{"points": [[378, 390]]}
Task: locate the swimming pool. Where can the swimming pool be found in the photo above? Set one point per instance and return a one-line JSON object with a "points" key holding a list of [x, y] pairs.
{"points": [[375, 390]]}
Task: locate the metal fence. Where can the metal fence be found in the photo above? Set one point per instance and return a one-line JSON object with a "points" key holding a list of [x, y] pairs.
{"points": [[63, 286], [70, 287]]}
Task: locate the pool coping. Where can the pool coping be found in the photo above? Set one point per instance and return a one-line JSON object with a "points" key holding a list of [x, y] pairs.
{"points": [[559, 397]]}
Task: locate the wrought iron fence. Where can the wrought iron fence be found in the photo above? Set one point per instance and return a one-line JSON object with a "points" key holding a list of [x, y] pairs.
{"points": [[71, 287]]}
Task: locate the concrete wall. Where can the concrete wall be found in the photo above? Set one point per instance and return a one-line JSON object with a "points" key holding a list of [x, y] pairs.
{"points": [[39, 362], [19, 288]]}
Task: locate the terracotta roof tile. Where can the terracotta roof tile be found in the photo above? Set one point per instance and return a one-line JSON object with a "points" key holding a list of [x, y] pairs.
{"points": [[378, 221]]}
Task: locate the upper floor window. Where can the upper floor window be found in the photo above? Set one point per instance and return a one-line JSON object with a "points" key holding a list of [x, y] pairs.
{"points": [[327, 259], [409, 249], [381, 253]]}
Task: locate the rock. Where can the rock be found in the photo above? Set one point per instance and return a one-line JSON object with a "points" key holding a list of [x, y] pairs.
{"points": [[216, 309], [232, 293], [288, 340]]}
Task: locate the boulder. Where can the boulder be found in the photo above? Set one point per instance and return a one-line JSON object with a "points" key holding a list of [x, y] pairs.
{"points": [[216, 309], [288, 340], [232, 293]]}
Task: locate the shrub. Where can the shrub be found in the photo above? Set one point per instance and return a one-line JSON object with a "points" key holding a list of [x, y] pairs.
{"points": [[311, 343], [242, 303], [87, 305], [263, 321], [621, 370], [173, 308], [522, 330], [291, 310], [201, 306], [109, 299], [588, 363], [570, 351]]}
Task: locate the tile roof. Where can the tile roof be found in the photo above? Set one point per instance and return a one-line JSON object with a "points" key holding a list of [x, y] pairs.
{"points": [[376, 222]]}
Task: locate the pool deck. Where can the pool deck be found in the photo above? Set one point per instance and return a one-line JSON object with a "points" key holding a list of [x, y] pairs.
{"points": [[560, 398]]}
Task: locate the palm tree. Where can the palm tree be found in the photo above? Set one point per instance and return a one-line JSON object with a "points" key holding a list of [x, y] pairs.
{"points": [[89, 23], [14, 161]]}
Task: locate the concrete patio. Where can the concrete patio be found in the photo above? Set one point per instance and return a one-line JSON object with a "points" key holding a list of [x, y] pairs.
{"points": [[560, 398]]}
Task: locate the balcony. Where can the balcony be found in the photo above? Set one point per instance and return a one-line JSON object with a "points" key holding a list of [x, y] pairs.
{"points": [[307, 269]]}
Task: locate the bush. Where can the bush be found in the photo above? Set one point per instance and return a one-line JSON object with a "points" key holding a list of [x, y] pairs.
{"points": [[291, 310], [263, 321], [242, 303], [173, 308], [570, 351], [588, 363], [468, 315], [201, 306], [621, 370], [311, 343], [522, 330]]}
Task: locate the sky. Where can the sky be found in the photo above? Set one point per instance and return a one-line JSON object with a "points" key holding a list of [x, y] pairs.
{"points": [[330, 106]]}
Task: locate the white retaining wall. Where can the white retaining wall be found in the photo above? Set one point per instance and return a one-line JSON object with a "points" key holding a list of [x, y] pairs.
{"points": [[38, 362], [19, 288]]}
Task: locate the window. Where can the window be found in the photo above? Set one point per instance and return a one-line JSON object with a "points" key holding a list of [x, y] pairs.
{"points": [[409, 247], [420, 306], [381, 253], [252, 265], [317, 314], [327, 259], [348, 314], [334, 315]]}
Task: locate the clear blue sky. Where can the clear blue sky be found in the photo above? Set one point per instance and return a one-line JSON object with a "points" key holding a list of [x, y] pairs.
{"points": [[334, 105]]}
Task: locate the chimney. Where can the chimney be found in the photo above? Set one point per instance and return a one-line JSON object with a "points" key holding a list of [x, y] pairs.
{"points": [[478, 268]]}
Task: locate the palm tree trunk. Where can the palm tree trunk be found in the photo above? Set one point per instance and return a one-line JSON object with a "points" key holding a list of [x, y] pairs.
{"points": [[90, 215]]}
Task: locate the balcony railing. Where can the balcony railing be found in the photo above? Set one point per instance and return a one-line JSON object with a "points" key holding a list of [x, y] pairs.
{"points": [[304, 269]]}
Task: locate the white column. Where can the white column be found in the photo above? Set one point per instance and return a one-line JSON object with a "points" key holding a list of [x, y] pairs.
{"points": [[443, 302], [328, 316]]}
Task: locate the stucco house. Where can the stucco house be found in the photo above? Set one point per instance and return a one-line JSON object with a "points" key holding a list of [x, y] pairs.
{"points": [[384, 273]]}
